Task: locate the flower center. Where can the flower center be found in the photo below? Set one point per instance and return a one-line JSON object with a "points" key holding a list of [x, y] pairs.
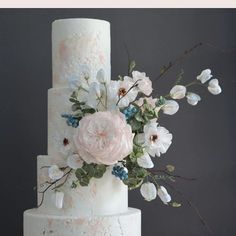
{"points": [[153, 138], [122, 92], [65, 141]]}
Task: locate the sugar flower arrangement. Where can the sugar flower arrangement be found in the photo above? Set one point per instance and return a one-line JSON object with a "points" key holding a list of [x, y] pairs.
{"points": [[118, 129]]}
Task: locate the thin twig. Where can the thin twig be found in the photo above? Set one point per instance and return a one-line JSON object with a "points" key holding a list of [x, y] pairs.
{"points": [[133, 86], [178, 60], [189, 51], [203, 221], [50, 185], [172, 175]]}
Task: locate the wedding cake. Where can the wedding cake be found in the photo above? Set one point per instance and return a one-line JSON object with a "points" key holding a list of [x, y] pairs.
{"points": [[79, 46]]}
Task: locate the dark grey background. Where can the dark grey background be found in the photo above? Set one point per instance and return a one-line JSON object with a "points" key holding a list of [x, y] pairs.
{"points": [[204, 136]]}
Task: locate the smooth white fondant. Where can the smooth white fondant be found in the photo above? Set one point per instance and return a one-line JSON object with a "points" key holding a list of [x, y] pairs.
{"points": [[78, 45], [125, 224], [104, 196]]}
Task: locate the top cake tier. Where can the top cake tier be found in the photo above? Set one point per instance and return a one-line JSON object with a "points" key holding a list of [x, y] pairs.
{"points": [[80, 49]]}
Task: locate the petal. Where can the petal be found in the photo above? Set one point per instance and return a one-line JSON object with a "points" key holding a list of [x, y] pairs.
{"points": [[193, 98], [204, 76], [58, 198], [55, 173], [163, 194], [148, 191], [145, 161], [170, 107], [178, 92], [74, 161]]}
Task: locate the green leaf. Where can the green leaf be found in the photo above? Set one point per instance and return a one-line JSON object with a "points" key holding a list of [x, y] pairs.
{"points": [[170, 168], [84, 181], [179, 77], [99, 171], [138, 116], [175, 204], [132, 65], [89, 168], [135, 125]]}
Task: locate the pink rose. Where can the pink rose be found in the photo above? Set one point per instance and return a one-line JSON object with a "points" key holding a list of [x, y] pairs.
{"points": [[104, 138]]}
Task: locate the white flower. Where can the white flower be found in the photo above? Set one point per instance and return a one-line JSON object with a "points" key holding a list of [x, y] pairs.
{"points": [[157, 139], [58, 198], [74, 161], [148, 191], [193, 98], [214, 87], [144, 83], [101, 78], [204, 76], [145, 161], [178, 92], [170, 107], [163, 194], [55, 173], [122, 90]]}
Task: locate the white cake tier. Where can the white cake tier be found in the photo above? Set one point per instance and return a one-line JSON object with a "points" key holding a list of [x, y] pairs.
{"points": [[125, 224], [105, 196], [79, 47]]}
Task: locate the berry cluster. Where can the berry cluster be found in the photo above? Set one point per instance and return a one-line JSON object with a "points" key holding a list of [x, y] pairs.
{"points": [[120, 172], [71, 120], [129, 112]]}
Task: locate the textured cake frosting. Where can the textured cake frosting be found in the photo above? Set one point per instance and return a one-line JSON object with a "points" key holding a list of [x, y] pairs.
{"points": [[79, 47]]}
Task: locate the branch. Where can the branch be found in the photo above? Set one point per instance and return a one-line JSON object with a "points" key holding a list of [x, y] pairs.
{"points": [[178, 60], [172, 175], [203, 221], [50, 185], [187, 52]]}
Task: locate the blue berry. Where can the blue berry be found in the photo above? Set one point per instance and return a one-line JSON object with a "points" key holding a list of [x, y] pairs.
{"points": [[71, 120], [120, 172], [129, 112]]}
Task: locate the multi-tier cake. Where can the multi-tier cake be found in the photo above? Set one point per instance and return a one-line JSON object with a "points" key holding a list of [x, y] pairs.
{"points": [[103, 137], [79, 46]]}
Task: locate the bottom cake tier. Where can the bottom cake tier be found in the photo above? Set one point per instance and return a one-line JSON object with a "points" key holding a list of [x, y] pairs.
{"points": [[125, 224]]}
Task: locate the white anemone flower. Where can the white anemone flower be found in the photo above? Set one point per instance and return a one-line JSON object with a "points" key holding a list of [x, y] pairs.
{"points": [[204, 76], [74, 161], [145, 161], [157, 139], [214, 87], [170, 107], [55, 173], [58, 199], [178, 92], [193, 98], [163, 195], [148, 191], [122, 90], [144, 83]]}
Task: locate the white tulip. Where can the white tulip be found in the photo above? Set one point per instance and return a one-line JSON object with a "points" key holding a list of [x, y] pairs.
{"points": [[178, 92], [145, 161], [55, 173], [58, 199], [148, 191], [170, 107], [193, 98], [163, 195], [214, 87], [204, 76], [74, 161]]}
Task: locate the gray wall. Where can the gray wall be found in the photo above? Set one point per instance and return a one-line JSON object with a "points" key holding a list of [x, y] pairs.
{"points": [[204, 136]]}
